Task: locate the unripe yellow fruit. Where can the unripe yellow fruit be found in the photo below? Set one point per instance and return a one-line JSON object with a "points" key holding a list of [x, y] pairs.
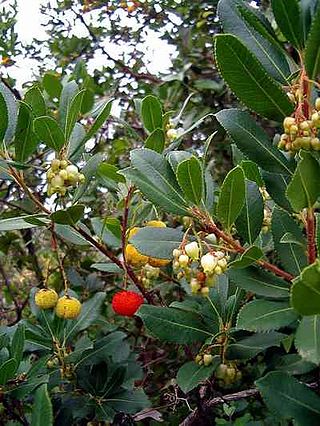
{"points": [[46, 298], [156, 224], [68, 307], [134, 257]]}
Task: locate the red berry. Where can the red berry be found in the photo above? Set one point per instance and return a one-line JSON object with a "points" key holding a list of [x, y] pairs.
{"points": [[126, 303]]}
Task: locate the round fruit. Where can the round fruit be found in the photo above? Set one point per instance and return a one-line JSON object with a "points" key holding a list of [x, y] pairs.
{"points": [[68, 307], [46, 298], [134, 257], [126, 303]]}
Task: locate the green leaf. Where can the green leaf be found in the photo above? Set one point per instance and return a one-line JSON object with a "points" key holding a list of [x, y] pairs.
{"points": [[249, 221], [17, 344], [51, 84], [76, 143], [157, 242], [289, 398], [287, 14], [69, 91], [293, 257], [35, 99], [264, 315], [252, 172], [308, 9], [7, 370], [156, 141], [276, 186], [305, 291], [304, 188], [72, 113], [259, 282], [109, 172], [294, 364], [24, 140], [251, 346], [70, 235], [189, 175], [231, 198], [253, 141], [23, 222], [191, 374], [154, 177], [251, 255], [173, 325], [307, 339], [69, 216], [102, 116], [48, 130], [255, 32], [42, 408], [151, 113], [4, 117], [312, 50], [248, 80], [89, 314], [12, 113], [89, 170]]}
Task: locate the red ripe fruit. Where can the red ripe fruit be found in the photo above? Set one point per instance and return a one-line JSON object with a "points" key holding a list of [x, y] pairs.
{"points": [[126, 303]]}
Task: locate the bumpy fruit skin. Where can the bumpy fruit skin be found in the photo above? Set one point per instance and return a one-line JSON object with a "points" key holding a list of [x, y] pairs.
{"points": [[68, 307], [46, 298], [126, 303]]}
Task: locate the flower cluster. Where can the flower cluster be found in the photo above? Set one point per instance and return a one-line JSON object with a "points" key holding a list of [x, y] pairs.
{"points": [[61, 176], [200, 271], [300, 132]]}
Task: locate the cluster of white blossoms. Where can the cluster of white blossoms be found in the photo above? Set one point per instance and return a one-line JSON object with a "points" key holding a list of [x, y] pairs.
{"points": [[61, 176], [200, 270]]}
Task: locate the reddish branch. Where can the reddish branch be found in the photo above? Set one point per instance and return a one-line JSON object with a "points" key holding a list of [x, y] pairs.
{"points": [[210, 227], [311, 241]]}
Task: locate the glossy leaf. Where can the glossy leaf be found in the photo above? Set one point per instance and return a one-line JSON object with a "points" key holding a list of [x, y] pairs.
{"points": [[259, 282], [287, 14], [254, 31], [52, 84], [189, 175], [23, 222], [156, 140], [248, 79], [35, 99], [154, 177], [250, 256], [4, 117], [251, 346], [157, 242], [72, 113], [252, 172], [69, 216], [289, 398], [42, 408], [25, 141], [264, 315], [191, 374], [7, 370], [231, 198], [102, 116], [307, 339], [276, 186], [12, 112], [151, 113], [304, 188], [89, 171], [292, 256], [312, 49], [173, 325], [253, 141], [17, 344], [48, 130], [305, 292], [249, 221]]}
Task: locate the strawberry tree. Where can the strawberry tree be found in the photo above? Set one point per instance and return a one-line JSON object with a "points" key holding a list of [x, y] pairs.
{"points": [[228, 273]]}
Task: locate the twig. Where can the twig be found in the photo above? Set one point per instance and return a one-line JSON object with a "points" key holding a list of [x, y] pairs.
{"points": [[310, 229]]}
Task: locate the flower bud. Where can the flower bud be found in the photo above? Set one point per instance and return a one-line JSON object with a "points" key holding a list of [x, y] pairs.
{"points": [[55, 164], [192, 250], [218, 270], [63, 164], [317, 104], [212, 238], [205, 291], [220, 254], [172, 134], [287, 122], [63, 173], [57, 182], [195, 286], [223, 263], [81, 178], [208, 262], [183, 260], [176, 253], [207, 359]]}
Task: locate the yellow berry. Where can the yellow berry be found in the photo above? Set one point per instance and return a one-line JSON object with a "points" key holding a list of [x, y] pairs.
{"points": [[156, 224], [134, 257], [68, 307], [46, 298]]}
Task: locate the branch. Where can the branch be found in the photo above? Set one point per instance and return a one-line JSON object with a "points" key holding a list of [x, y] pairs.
{"points": [[205, 411], [310, 229]]}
